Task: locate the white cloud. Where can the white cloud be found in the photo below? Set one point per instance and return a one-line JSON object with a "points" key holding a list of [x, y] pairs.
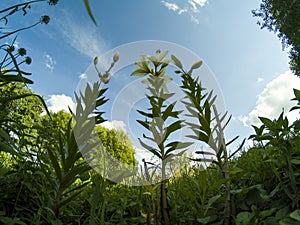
{"points": [[60, 102], [16, 44], [275, 98], [244, 120], [83, 76], [191, 7], [259, 80], [49, 62], [142, 154], [201, 3], [193, 4], [82, 37], [194, 19], [115, 124], [182, 11], [170, 6]]}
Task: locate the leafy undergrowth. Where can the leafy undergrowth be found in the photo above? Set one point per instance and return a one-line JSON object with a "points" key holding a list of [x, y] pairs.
{"points": [[262, 193]]}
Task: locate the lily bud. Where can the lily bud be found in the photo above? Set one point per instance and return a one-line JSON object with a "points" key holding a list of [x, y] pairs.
{"points": [[95, 60], [116, 56]]}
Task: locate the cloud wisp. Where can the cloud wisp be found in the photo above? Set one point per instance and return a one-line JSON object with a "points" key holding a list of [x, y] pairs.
{"points": [[83, 37], [191, 7], [49, 62], [274, 99]]}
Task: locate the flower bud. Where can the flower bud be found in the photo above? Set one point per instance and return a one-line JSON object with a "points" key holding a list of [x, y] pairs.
{"points": [[95, 60], [116, 56]]}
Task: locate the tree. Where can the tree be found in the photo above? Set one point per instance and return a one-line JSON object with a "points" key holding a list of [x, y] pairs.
{"points": [[282, 17], [117, 143], [12, 74]]}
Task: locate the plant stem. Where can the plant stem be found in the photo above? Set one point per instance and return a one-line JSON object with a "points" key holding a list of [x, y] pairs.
{"points": [[163, 198], [225, 169]]}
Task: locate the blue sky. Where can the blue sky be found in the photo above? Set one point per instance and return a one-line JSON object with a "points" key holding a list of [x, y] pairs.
{"points": [[248, 63]]}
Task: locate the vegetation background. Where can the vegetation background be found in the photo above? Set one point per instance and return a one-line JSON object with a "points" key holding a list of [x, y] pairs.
{"points": [[45, 180]]}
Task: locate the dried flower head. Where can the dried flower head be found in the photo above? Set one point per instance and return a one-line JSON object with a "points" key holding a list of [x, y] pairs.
{"points": [[22, 51], [52, 2], [28, 60], [45, 19]]}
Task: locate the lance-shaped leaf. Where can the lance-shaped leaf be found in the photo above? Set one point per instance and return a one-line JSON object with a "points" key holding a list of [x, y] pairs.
{"points": [[144, 124], [151, 149], [172, 128], [149, 115], [89, 11], [205, 153], [176, 145], [232, 140], [170, 113], [267, 122]]}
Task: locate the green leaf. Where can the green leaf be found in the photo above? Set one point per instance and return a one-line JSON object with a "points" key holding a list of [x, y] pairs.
{"points": [[244, 218], [55, 165], [205, 125], [6, 148], [56, 222], [176, 145], [205, 153], [232, 140], [288, 221], [144, 124], [295, 161], [297, 94], [204, 220], [88, 8], [266, 213], [269, 123], [201, 136], [149, 115], [202, 160], [212, 201], [72, 174], [172, 128], [282, 213], [296, 215], [149, 148], [139, 72], [11, 78], [295, 108]]}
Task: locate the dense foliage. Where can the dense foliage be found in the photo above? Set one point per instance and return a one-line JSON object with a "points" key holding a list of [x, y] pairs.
{"points": [[44, 178], [282, 17]]}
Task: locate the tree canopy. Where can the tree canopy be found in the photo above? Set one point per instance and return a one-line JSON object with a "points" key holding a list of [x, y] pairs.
{"points": [[282, 17]]}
